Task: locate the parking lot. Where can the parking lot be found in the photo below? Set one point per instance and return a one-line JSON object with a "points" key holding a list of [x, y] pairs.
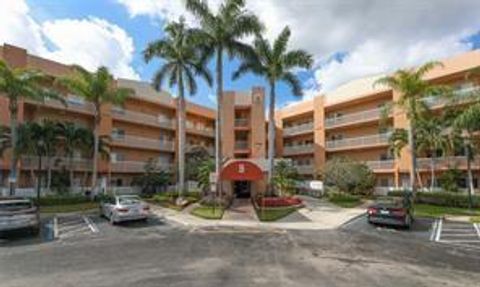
{"points": [[91, 252]]}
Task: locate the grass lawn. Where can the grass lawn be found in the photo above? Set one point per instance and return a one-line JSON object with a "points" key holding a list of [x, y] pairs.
{"points": [[475, 219], [345, 201], [208, 212], [274, 214], [69, 207], [427, 210]]}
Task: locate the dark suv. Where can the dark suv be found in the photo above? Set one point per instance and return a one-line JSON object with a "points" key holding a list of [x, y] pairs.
{"points": [[391, 211]]}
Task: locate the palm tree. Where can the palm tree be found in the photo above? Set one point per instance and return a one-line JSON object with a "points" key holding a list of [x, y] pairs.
{"points": [[51, 139], [221, 32], [182, 62], [73, 138], [413, 89], [17, 84], [431, 139], [98, 88], [275, 63], [285, 177]]}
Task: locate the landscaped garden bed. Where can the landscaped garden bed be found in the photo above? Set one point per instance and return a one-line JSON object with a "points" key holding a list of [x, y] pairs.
{"points": [[208, 212], [65, 203], [169, 199], [274, 208], [344, 200]]}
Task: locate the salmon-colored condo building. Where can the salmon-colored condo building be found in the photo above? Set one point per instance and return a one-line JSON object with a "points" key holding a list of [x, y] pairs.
{"points": [[344, 122]]}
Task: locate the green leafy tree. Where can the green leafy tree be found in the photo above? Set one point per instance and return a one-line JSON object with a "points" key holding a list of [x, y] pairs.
{"points": [[219, 33], [51, 141], [413, 89], [285, 177], [275, 63], [154, 177], [449, 179], [203, 173], [348, 176], [182, 62], [98, 88], [17, 84], [194, 158]]}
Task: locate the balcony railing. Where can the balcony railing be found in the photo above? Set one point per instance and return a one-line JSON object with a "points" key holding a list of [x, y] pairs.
{"points": [[297, 149], [69, 105], [141, 142], [444, 162], [459, 96], [353, 118], [305, 169], [136, 166], [142, 118], [380, 164], [294, 130], [57, 163], [241, 123], [355, 142], [241, 145], [203, 130]]}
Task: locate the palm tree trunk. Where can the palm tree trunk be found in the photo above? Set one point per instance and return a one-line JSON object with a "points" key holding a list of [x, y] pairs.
{"points": [[39, 177], [432, 172], [181, 137], [218, 121], [13, 130], [70, 171], [95, 147], [271, 137], [413, 155], [470, 176]]}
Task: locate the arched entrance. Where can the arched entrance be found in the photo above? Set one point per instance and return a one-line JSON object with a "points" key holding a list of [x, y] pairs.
{"points": [[241, 173]]}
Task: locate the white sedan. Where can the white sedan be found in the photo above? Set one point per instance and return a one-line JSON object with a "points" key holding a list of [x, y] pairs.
{"points": [[124, 208]]}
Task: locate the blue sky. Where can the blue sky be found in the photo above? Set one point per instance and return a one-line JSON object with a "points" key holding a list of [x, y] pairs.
{"points": [[348, 40]]}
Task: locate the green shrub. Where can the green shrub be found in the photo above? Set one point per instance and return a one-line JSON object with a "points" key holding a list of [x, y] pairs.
{"points": [[449, 180], [349, 176], [61, 200], [442, 198]]}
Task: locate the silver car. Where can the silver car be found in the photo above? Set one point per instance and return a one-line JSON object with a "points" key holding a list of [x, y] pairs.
{"points": [[18, 213], [124, 208]]}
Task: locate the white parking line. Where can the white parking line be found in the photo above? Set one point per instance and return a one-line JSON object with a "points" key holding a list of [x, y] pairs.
{"points": [[434, 230], [477, 228], [439, 229], [55, 227], [91, 225]]}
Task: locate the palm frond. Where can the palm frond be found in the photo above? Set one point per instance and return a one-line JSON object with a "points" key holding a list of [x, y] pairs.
{"points": [[280, 44], [294, 83]]}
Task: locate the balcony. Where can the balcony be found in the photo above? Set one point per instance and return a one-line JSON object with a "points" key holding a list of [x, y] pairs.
{"points": [[241, 123], [142, 118], [136, 166], [305, 169], [241, 145], [297, 130], [71, 104], [445, 163], [141, 142], [200, 130], [381, 164], [460, 96], [354, 118], [209, 149], [297, 149], [57, 163], [359, 142]]}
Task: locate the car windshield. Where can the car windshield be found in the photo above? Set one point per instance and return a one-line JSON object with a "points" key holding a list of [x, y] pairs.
{"points": [[129, 200], [15, 205], [389, 202]]}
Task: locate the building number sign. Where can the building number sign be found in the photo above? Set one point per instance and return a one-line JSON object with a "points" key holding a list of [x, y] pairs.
{"points": [[241, 168]]}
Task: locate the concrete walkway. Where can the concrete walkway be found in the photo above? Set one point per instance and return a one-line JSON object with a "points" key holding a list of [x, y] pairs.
{"points": [[321, 215], [241, 210]]}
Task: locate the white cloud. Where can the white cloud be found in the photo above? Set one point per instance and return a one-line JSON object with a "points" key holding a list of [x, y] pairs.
{"points": [[376, 35], [90, 42]]}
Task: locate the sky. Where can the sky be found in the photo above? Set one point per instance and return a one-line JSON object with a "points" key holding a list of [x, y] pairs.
{"points": [[348, 39]]}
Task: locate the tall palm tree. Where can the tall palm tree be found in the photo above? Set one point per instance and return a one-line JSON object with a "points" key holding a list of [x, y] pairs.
{"points": [[431, 139], [219, 33], [17, 84], [182, 62], [74, 137], [98, 88], [275, 63], [51, 139], [413, 89]]}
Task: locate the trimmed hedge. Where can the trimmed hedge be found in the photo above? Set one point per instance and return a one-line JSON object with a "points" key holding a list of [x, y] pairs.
{"points": [[279, 201], [61, 200], [443, 198]]}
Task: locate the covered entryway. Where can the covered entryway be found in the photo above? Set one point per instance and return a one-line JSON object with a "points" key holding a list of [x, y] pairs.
{"points": [[242, 175]]}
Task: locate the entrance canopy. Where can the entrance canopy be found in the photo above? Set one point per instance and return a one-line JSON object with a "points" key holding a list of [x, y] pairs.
{"points": [[241, 170]]}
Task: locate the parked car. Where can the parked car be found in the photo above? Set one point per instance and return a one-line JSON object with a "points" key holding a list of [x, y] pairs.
{"points": [[390, 211], [124, 208], [19, 213]]}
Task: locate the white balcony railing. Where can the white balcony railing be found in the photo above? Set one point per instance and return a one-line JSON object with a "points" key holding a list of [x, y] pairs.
{"points": [[353, 118], [241, 123], [142, 118], [136, 166], [297, 149], [142, 142], [241, 145], [299, 129], [69, 105], [56, 163], [203, 130], [459, 96], [444, 162], [380, 164], [305, 169], [355, 142]]}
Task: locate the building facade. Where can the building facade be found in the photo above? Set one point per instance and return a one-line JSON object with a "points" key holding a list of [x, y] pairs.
{"points": [[345, 122]]}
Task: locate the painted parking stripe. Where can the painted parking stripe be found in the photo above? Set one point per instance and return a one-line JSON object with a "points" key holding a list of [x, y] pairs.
{"points": [[434, 230], [93, 227], [439, 229], [477, 228]]}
